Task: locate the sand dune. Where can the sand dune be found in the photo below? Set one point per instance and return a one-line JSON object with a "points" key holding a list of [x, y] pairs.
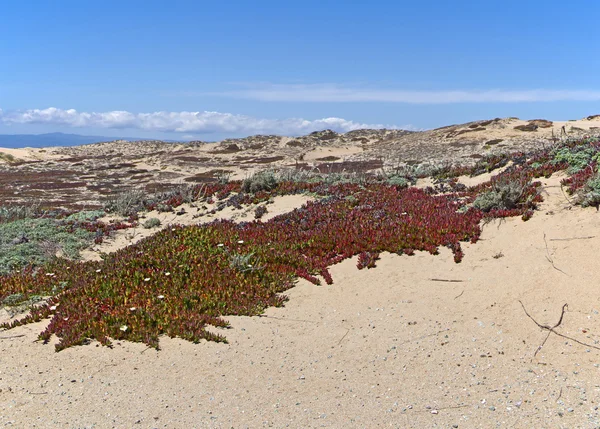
{"points": [[419, 341]]}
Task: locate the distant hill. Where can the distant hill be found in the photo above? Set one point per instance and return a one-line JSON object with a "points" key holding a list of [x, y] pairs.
{"points": [[53, 139]]}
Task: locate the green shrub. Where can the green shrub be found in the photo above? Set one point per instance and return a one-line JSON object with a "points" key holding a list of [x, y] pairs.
{"points": [[590, 195], [163, 208], [35, 241], [503, 196], [243, 263], [401, 182], [10, 213], [261, 181], [126, 203], [577, 157], [153, 222], [86, 216]]}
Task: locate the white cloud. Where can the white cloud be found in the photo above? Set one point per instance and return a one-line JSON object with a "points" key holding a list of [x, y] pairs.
{"points": [[338, 93], [181, 122]]}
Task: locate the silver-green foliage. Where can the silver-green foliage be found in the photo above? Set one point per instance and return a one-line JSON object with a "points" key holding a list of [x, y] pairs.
{"points": [[577, 158], [153, 222], [85, 216], [35, 241], [243, 262], [126, 203], [503, 195], [10, 213], [261, 181], [590, 195]]}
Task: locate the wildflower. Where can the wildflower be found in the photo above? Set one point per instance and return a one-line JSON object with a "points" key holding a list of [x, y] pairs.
{"points": [[53, 308], [147, 279], [241, 242], [132, 309], [50, 274], [220, 245], [98, 270], [161, 296], [123, 328], [167, 273]]}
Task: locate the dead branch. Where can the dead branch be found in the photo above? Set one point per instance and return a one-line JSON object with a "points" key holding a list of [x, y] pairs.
{"points": [[551, 329], [12, 336], [446, 280], [550, 259], [572, 238], [342, 339], [287, 319], [565, 195], [424, 336]]}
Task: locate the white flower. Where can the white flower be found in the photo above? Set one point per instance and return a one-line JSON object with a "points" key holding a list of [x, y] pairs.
{"points": [[241, 242], [98, 270], [132, 309], [220, 245], [161, 296], [65, 318], [123, 328], [53, 308], [147, 279], [50, 274], [167, 273]]}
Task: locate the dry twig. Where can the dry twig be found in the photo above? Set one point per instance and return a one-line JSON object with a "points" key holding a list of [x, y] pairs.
{"points": [[550, 259], [573, 238], [551, 329]]}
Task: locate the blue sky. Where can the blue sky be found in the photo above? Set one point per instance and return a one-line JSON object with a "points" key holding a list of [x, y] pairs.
{"points": [[208, 70]]}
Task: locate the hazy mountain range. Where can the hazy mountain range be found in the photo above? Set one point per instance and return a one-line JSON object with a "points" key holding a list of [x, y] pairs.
{"points": [[53, 139]]}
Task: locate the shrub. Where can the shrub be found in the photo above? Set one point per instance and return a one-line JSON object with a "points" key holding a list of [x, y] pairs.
{"points": [[85, 216], [243, 262], [126, 203], [10, 213], [164, 208], [261, 181], [577, 157], [36, 241], [260, 211], [590, 195], [153, 222], [504, 195]]}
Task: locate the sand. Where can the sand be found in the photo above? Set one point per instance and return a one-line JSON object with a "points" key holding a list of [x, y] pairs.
{"points": [[391, 346]]}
